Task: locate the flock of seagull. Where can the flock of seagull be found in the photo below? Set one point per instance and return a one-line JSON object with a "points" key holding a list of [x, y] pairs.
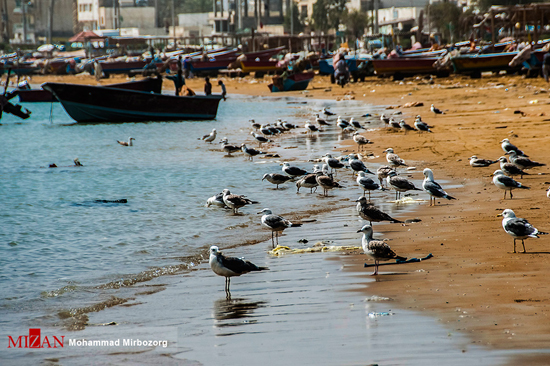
{"points": [[324, 175]]}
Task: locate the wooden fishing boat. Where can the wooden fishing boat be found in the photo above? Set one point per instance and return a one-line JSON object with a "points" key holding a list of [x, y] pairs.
{"points": [[87, 104], [477, 63], [293, 82], [259, 66], [150, 85], [404, 66]]}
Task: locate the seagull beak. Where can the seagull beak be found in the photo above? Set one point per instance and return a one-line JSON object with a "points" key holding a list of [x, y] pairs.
{"points": [[499, 215], [359, 230]]}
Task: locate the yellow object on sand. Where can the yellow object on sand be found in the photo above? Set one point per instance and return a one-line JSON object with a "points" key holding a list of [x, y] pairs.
{"points": [[318, 247]]}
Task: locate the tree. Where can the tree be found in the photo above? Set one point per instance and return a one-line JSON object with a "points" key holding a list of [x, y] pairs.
{"points": [[445, 17], [297, 18], [356, 22], [328, 14]]}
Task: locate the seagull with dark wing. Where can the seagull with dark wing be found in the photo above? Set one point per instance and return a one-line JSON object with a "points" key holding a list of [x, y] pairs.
{"points": [[433, 188], [255, 125], [382, 173], [355, 124], [510, 169], [371, 213], [320, 121], [129, 143], [342, 123], [308, 181], [228, 148], [250, 152], [507, 146], [77, 162], [260, 138], [360, 140], [326, 182], [366, 183], [385, 119], [405, 126], [327, 112], [216, 200], [230, 266], [393, 159], [333, 163], [518, 228], [522, 162], [234, 201], [400, 184], [310, 127], [394, 124], [276, 224], [293, 171], [506, 183], [276, 178], [357, 165], [422, 126], [478, 163], [376, 249], [210, 137], [435, 110]]}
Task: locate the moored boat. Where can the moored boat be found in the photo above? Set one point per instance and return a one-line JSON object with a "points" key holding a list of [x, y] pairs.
{"points": [[405, 66], [86, 103], [259, 66], [298, 81], [477, 63]]}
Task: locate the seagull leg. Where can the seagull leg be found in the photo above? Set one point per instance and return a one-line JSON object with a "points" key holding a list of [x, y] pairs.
{"points": [[272, 240], [511, 196], [375, 268], [514, 245], [522, 243]]}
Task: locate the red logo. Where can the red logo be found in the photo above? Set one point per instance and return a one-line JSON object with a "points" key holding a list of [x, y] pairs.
{"points": [[34, 340]]}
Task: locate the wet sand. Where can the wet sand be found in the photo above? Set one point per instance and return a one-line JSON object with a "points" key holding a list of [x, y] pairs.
{"points": [[474, 285]]}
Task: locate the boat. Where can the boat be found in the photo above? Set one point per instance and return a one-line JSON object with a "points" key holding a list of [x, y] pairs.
{"points": [[259, 66], [404, 66], [293, 82], [477, 63], [85, 104], [153, 85]]}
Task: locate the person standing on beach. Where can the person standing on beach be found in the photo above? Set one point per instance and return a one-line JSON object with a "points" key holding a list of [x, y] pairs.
{"points": [[546, 66], [207, 86], [178, 79], [224, 91]]}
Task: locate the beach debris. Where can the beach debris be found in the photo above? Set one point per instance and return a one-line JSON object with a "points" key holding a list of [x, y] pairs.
{"points": [[376, 298], [316, 248], [377, 315]]}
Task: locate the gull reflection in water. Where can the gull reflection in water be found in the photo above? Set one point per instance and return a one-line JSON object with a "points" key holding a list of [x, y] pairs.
{"points": [[229, 312]]}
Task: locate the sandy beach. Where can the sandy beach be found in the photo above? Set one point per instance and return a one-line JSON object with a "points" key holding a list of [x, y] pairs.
{"points": [[474, 284]]}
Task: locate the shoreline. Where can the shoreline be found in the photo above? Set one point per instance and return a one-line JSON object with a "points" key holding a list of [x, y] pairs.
{"points": [[463, 283]]}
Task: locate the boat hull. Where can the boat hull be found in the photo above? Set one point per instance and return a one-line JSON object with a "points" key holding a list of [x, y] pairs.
{"points": [[259, 66], [291, 83], [484, 62], [87, 104], [404, 66]]}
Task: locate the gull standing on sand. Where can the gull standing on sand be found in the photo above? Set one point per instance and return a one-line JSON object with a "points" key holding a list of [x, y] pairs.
{"points": [[311, 127], [376, 249], [400, 184], [129, 143], [355, 124], [435, 110], [333, 163], [422, 126], [230, 266], [371, 213], [293, 171], [522, 162], [405, 126], [366, 183], [327, 112], [326, 182], [234, 201], [321, 121], [393, 159], [227, 148], [276, 178], [276, 224], [357, 165], [250, 152], [260, 138], [308, 181], [385, 119], [518, 228], [360, 140], [394, 124], [507, 146], [510, 169], [210, 137], [382, 173], [433, 188], [478, 163], [255, 125], [506, 183]]}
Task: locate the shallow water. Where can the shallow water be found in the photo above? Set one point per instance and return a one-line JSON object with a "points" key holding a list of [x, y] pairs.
{"points": [[66, 255]]}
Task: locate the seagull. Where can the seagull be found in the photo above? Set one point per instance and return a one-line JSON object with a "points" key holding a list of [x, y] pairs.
{"points": [[366, 183], [129, 143], [385, 119], [400, 184], [275, 223], [510, 169], [342, 123], [326, 182], [234, 201], [77, 162], [394, 124], [518, 228], [333, 163], [293, 171], [371, 213], [393, 159], [210, 137], [216, 200], [435, 110], [288, 125], [327, 112], [433, 188], [376, 249], [251, 153], [357, 165], [264, 129], [507, 146], [548, 192], [477, 163], [382, 173], [227, 148], [405, 126], [260, 138], [422, 126], [230, 266], [311, 127], [521, 161], [321, 121], [276, 178], [355, 124], [360, 140], [255, 125], [506, 183], [307, 181]]}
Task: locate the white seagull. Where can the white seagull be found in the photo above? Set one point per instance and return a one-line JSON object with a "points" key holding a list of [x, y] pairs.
{"points": [[435, 110], [478, 163], [400, 184], [522, 162], [433, 188], [357, 165], [210, 137], [276, 224], [371, 213], [393, 159], [506, 183], [230, 266], [276, 178], [366, 183], [507, 146], [260, 138], [376, 249], [510, 169], [333, 163], [216, 200], [235, 201], [129, 143], [293, 171], [422, 126], [518, 228], [360, 140]]}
